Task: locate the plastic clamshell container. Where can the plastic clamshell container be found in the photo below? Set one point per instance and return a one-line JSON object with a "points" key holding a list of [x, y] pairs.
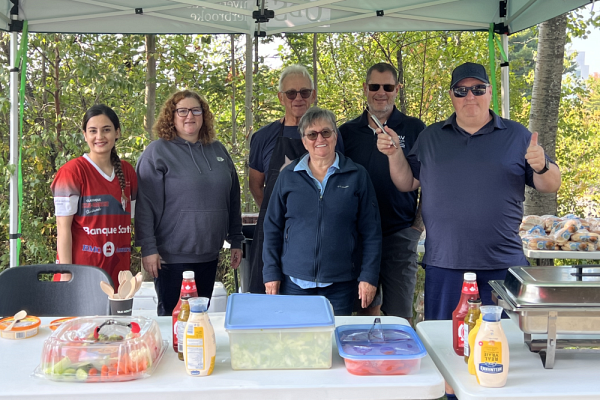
{"points": [[116, 353], [279, 332], [398, 351], [25, 328]]}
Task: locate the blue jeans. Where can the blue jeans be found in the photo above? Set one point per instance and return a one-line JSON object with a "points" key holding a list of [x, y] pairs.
{"points": [[170, 276], [340, 294]]}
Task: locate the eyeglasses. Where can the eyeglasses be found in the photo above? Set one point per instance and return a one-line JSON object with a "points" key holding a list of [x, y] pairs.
{"points": [[313, 135], [183, 112], [463, 91], [373, 87], [291, 94]]}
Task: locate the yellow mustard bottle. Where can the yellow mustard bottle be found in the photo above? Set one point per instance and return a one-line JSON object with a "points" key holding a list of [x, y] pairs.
{"points": [[473, 314], [182, 318], [199, 346], [471, 339]]}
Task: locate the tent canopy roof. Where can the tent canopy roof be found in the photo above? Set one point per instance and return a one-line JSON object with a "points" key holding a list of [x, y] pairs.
{"points": [[236, 16]]}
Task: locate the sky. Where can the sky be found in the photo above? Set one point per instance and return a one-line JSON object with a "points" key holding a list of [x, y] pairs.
{"points": [[591, 46]]}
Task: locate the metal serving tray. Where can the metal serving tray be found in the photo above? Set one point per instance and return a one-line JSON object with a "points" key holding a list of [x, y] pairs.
{"points": [[552, 300], [554, 286]]}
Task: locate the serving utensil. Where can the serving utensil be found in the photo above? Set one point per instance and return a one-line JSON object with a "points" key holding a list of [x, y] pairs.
{"points": [[380, 126], [18, 316]]}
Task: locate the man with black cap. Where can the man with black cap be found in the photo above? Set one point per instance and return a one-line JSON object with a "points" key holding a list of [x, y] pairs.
{"points": [[472, 169]]}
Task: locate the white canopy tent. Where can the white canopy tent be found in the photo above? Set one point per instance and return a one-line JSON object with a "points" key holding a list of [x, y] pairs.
{"points": [[258, 17]]}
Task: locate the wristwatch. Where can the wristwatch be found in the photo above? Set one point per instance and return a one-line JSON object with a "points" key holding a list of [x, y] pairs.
{"points": [[543, 170]]}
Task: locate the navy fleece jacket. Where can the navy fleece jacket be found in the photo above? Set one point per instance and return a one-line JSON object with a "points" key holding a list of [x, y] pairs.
{"points": [[331, 238]]}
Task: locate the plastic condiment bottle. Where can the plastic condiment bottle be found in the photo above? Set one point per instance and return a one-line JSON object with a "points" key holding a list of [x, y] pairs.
{"points": [[188, 289], [182, 319], [491, 356], [199, 346], [473, 314], [471, 340], [469, 291]]}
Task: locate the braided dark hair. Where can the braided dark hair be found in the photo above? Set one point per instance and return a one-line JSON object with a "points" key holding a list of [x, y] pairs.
{"points": [[101, 109]]}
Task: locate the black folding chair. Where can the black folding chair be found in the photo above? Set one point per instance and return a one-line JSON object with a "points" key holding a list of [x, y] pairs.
{"points": [[22, 289]]}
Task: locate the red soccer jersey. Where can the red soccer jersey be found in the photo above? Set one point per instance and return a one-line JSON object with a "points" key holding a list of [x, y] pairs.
{"points": [[101, 228]]}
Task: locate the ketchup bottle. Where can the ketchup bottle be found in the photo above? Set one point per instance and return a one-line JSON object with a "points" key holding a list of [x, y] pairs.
{"points": [[469, 291], [188, 289]]}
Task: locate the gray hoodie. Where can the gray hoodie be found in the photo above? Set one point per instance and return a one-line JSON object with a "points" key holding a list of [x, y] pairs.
{"points": [[188, 201]]}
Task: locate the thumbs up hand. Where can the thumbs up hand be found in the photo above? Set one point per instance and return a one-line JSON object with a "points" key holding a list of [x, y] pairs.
{"points": [[535, 154]]}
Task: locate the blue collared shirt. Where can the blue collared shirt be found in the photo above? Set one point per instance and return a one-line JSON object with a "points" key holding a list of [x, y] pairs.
{"points": [[303, 166]]}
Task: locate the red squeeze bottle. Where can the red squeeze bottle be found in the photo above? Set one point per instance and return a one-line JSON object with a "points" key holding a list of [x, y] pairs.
{"points": [[188, 289], [469, 291]]}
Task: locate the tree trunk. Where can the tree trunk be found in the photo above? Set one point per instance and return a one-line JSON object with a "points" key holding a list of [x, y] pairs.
{"points": [[401, 91], [315, 61], [150, 98], [545, 101]]}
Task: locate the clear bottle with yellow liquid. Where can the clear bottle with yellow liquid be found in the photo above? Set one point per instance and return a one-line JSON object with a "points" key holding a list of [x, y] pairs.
{"points": [[470, 321], [182, 318], [199, 345]]}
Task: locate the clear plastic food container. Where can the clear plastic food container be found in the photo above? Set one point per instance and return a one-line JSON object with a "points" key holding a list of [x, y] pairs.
{"points": [[279, 332], [23, 329], [102, 349], [389, 349]]}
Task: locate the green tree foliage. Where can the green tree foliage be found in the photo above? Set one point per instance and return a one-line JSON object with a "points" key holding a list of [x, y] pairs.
{"points": [[67, 73]]}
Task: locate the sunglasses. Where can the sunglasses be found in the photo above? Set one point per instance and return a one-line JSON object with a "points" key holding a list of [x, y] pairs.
{"points": [[183, 112], [313, 135], [462, 91], [291, 94], [373, 87]]}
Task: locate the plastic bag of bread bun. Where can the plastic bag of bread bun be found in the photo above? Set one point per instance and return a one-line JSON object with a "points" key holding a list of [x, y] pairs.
{"points": [[539, 243], [578, 246], [594, 225], [584, 235], [549, 221], [537, 230], [572, 225], [529, 222], [561, 236]]}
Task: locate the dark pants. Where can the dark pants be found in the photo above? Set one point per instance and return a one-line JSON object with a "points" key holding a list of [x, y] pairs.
{"points": [[170, 276], [443, 287], [340, 294]]}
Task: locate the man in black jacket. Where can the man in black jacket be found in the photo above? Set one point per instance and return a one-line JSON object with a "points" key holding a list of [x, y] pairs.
{"points": [[398, 210]]}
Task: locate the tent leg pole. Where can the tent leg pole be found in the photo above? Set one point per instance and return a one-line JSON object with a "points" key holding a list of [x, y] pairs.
{"points": [[249, 78], [14, 148], [505, 81]]}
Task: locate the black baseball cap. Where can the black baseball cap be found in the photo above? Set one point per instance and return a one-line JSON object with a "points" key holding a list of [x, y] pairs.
{"points": [[469, 70]]}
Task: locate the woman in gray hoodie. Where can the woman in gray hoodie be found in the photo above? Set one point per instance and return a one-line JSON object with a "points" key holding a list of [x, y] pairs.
{"points": [[188, 200]]}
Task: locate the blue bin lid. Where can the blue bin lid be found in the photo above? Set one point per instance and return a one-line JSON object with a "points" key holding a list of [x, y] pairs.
{"points": [[263, 311], [398, 342]]}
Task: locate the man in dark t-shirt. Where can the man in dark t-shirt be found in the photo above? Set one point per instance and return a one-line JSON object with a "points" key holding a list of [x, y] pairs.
{"points": [[398, 269], [472, 170]]}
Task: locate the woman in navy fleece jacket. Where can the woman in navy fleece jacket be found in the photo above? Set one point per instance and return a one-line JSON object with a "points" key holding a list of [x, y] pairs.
{"points": [[322, 228]]}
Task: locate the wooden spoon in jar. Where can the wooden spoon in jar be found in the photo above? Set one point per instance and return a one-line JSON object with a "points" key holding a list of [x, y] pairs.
{"points": [[106, 288], [18, 316], [124, 289]]}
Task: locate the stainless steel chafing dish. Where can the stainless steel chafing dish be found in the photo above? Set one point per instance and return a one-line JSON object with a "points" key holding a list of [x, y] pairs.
{"points": [[552, 301]]}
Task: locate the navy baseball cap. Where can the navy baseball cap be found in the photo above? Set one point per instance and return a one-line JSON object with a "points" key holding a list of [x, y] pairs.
{"points": [[469, 70]]}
